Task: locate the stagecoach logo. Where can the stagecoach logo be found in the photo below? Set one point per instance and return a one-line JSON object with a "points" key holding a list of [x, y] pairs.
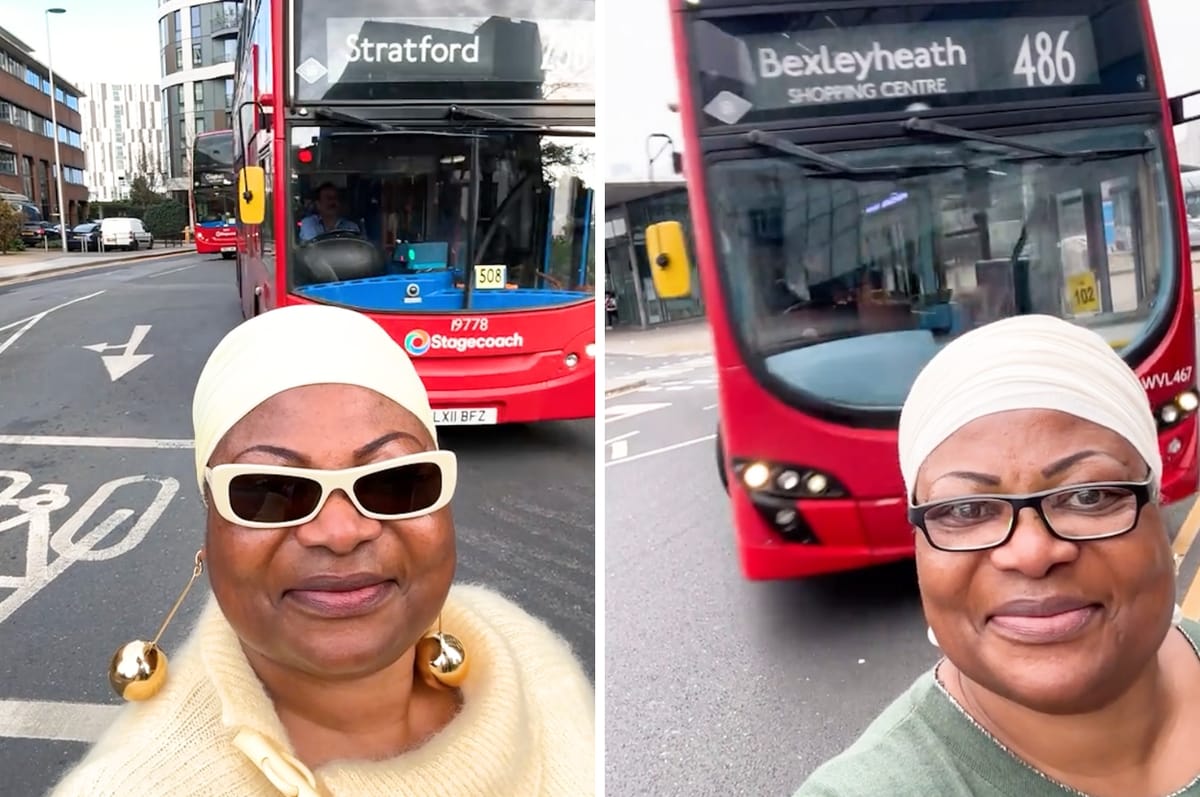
{"points": [[416, 342], [419, 342]]}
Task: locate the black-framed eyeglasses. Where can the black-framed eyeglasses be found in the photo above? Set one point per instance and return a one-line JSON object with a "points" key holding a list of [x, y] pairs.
{"points": [[1078, 513]]}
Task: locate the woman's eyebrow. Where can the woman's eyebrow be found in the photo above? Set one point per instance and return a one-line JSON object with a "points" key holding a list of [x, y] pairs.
{"points": [[373, 446]]}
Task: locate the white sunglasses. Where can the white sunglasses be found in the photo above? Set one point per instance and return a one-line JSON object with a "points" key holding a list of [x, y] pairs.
{"points": [[278, 496]]}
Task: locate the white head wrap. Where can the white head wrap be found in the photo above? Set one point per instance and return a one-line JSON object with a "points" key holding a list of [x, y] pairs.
{"points": [[293, 347], [1021, 363]]}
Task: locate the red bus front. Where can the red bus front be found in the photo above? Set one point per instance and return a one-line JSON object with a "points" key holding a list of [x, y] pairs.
{"points": [[213, 198], [868, 183], [431, 168]]}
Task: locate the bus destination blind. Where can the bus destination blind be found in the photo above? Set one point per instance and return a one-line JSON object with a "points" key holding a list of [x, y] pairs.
{"points": [[775, 71]]}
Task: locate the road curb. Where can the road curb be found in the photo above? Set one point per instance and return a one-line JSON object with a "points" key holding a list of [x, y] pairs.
{"points": [[624, 387], [82, 267]]}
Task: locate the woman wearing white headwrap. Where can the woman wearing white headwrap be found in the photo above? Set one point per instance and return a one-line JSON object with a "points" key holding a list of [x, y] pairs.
{"points": [[329, 661], [1031, 462]]}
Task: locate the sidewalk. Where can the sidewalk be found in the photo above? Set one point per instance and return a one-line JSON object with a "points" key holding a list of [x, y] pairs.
{"points": [[691, 337], [41, 263]]}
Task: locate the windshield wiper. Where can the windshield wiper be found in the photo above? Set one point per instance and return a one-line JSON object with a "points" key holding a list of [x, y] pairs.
{"points": [[946, 131], [382, 127], [770, 141], [466, 112], [939, 130], [478, 114], [358, 121], [833, 168]]}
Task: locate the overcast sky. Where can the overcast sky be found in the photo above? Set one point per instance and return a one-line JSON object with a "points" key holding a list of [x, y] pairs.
{"points": [[638, 88]]}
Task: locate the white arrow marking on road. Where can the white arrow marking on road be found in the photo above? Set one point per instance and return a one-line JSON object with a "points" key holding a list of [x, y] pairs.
{"points": [[120, 364], [620, 412]]}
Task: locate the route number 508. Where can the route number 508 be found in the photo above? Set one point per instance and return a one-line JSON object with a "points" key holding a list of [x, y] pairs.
{"points": [[1054, 62]]}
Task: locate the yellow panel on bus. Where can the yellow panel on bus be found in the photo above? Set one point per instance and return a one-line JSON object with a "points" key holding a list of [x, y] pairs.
{"points": [[666, 247]]}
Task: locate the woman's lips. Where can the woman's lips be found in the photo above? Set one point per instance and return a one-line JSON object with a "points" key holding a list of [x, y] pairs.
{"points": [[1043, 622], [343, 603]]}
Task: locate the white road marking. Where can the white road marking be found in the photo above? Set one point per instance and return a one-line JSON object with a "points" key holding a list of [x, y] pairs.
{"points": [[77, 539], [619, 445], [620, 412], [118, 365], [662, 450], [55, 721], [709, 407], [93, 442], [173, 271], [36, 317]]}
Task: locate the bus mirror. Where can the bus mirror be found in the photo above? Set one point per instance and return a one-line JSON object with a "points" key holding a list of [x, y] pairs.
{"points": [[252, 194], [1185, 108], [677, 162], [666, 247]]}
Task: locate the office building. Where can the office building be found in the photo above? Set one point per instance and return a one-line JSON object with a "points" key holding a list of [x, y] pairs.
{"points": [[123, 137], [27, 166], [198, 42]]}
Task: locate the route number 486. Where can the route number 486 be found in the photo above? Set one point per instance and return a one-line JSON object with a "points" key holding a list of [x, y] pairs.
{"points": [[1045, 63]]}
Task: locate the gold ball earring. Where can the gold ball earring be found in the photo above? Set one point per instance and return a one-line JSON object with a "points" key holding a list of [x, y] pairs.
{"points": [[138, 669], [441, 660]]}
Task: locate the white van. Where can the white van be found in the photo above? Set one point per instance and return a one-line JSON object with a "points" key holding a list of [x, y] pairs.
{"points": [[123, 233]]}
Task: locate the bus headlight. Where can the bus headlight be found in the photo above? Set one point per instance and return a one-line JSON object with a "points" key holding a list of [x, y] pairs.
{"points": [[590, 350], [785, 481], [756, 476], [1177, 410], [572, 360]]}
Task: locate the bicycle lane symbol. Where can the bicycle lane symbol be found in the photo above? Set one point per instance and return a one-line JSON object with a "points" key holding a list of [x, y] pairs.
{"points": [[75, 540]]}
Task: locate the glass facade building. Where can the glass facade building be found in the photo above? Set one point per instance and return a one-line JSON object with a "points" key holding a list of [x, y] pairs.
{"points": [[197, 57]]}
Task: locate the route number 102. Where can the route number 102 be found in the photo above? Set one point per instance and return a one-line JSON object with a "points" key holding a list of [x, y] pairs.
{"points": [[1045, 63]]}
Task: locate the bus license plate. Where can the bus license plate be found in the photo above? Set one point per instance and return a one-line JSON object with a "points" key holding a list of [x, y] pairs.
{"points": [[228, 248], [490, 277], [460, 416]]}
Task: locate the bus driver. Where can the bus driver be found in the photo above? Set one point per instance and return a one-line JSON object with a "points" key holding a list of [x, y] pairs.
{"points": [[325, 218]]}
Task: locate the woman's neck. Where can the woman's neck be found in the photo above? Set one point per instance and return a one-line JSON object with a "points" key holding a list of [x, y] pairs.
{"points": [[1129, 746], [372, 717]]}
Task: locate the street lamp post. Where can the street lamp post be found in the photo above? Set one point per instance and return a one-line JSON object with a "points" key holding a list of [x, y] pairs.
{"points": [[62, 208]]}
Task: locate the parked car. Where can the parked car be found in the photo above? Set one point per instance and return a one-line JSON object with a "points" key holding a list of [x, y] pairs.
{"points": [[125, 233], [40, 233], [85, 237]]}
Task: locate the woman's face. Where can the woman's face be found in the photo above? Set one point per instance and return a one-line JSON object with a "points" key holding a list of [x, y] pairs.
{"points": [[264, 578], [1127, 581]]}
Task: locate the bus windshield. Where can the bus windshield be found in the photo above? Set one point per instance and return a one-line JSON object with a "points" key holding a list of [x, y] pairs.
{"points": [[399, 207], [212, 178], [214, 206], [845, 285]]}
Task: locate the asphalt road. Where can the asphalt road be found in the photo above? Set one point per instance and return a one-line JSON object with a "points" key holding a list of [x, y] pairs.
{"points": [[524, 510], [716, 685]]}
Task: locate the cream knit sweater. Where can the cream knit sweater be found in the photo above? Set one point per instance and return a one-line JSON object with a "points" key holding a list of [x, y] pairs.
{"points": [[525, 728]]}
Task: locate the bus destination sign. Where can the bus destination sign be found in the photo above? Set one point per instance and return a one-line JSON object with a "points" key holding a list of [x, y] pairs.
{"points": [[896, 64], [357, 49]]}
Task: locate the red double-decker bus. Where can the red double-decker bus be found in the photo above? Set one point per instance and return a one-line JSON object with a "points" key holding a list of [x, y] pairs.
{"points": [[867, 181], [430, 164], [214, 200]]}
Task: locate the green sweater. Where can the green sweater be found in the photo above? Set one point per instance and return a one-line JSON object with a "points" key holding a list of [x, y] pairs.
{"points": [[922, 745]]}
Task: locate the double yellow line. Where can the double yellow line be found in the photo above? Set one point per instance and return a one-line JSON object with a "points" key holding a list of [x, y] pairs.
{"points": [[1183, 543]]}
